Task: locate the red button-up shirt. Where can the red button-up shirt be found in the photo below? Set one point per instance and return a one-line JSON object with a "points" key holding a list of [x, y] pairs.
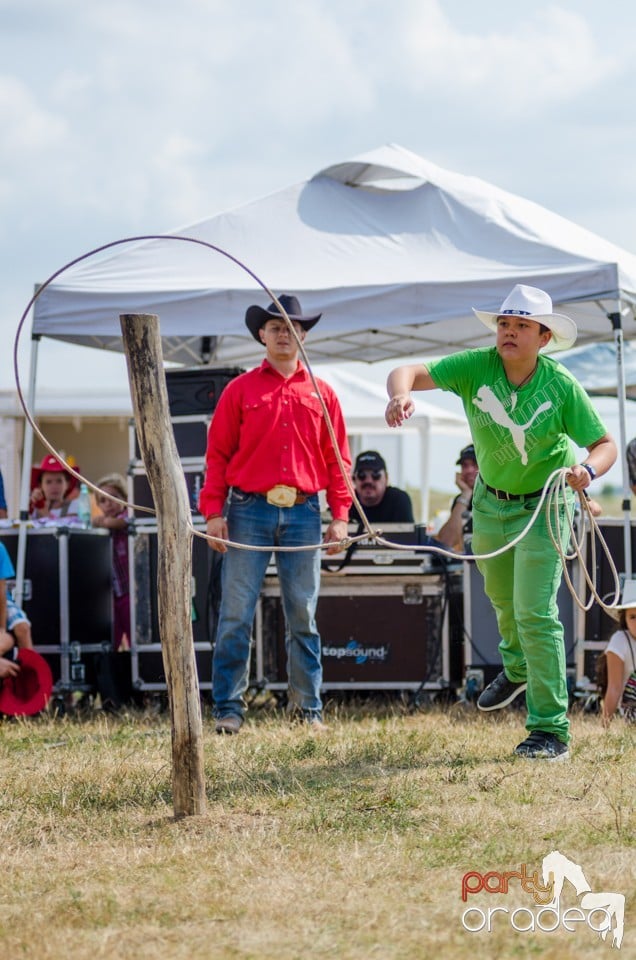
{"points": [[268, 429]]}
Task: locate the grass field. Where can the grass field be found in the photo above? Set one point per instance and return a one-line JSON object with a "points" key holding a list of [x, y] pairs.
{"points": [[351, 845]]}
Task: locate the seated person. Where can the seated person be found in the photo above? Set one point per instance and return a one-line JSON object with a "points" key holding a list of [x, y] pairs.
{"points": [[51, 484], [8, 668], [620, 656], [380, 502], [15, 628], [451, 534], [114, 517], [3, 500]]}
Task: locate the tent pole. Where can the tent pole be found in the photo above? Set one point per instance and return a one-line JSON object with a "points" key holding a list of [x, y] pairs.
{"points": [[425, 489], [616, 321], [25, 484]]}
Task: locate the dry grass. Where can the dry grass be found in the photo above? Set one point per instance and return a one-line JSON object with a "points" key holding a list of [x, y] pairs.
{"points": [[350, 846]]}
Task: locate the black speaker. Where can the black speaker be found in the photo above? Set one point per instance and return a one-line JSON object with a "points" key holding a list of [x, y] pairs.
{"points": [[599, 626], [190, 435], [197, 390], [483, 633], [85, 578], [142, 494], [374, 635], [205, 599]]}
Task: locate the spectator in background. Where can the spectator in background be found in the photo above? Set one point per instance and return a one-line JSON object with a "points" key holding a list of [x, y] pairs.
{"points": [[8, 668], [15, 627], [113, 516], [380, 502], [620, 656], [451, 534], [50, 483]]}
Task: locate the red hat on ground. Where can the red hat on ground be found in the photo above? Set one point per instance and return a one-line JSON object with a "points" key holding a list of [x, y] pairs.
{"points": [[30, 691]]}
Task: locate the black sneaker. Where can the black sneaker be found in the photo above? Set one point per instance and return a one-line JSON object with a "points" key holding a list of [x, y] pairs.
{"points": [[500, 693], [542, 746]]}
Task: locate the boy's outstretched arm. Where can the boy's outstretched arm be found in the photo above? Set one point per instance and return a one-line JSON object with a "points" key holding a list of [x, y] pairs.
{"points": [[399, 384]]}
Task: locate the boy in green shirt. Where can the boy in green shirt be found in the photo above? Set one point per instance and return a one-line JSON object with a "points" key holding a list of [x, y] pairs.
{"points": [[524, 409]]}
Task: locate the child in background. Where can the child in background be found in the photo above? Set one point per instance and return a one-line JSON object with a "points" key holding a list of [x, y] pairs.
{"points": [[113, 517], [51, 484], [620, 655], [15, 628]]}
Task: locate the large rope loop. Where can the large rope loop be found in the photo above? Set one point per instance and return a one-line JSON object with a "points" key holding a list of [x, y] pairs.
{"points": [[552, 496]]}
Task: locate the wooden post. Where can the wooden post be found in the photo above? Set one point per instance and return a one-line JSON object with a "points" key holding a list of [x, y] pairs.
{"points": [[144, 357]]}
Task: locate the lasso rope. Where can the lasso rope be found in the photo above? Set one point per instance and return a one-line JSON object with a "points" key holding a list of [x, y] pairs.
{"points": [[554, 485]]}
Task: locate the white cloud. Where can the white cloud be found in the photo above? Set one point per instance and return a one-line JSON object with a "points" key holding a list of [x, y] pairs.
{"points": [[131, 117], [26, 125], [550, 56], [153, 99], [136, 106]]}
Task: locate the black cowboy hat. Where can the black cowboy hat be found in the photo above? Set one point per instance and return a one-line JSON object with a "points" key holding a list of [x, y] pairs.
{"points": [[255, 317]]}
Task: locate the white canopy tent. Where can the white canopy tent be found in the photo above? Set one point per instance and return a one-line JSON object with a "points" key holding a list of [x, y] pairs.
{"points": [[392, 249]]}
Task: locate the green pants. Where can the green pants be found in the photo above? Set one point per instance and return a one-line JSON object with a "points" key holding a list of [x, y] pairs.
{"points": [[522, 585]]}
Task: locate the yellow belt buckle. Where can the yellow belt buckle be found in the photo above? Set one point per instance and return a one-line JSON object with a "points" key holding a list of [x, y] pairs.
{"points": [[282, 496]]}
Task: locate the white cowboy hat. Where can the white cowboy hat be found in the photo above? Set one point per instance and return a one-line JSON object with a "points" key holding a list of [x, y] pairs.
{"points": [[628, 600], [536, 304]]}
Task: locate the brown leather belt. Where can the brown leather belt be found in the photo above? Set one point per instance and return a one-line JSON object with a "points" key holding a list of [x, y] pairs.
{"points": [[300, 497], [502, 495]]}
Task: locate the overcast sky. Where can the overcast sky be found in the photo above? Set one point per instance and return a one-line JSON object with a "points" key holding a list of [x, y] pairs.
{"points": [[138, 116]]}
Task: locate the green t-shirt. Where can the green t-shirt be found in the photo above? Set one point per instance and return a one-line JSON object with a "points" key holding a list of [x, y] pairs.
{"points": [[520, 436]]}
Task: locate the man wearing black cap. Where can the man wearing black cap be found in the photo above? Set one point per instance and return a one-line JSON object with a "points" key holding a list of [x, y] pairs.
{"points": [[380, 502], [459, 522], [269, 454]]}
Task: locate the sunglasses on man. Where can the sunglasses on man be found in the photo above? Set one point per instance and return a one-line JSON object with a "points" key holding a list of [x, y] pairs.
{"points": [[362, 474]]}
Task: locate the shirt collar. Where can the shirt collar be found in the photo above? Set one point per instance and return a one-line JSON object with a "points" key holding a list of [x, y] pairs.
{"points": [[266, 367]]}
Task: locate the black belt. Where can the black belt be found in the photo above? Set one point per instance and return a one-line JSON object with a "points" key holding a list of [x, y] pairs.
{"points": [[502, 495]]}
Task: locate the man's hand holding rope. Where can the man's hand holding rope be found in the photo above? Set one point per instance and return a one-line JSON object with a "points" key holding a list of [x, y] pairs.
{"points": [[216, 527], [335, 534]]}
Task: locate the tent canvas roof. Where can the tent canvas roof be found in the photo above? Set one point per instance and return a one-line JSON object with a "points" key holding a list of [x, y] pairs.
{"points": [[392, 249], [594, 366]]}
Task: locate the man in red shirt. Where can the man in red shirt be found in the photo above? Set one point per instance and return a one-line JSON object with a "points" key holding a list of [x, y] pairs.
{"points": [[269, 454]]}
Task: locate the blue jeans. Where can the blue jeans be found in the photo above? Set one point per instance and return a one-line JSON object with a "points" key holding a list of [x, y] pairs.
{"points": [[252, 520]]}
